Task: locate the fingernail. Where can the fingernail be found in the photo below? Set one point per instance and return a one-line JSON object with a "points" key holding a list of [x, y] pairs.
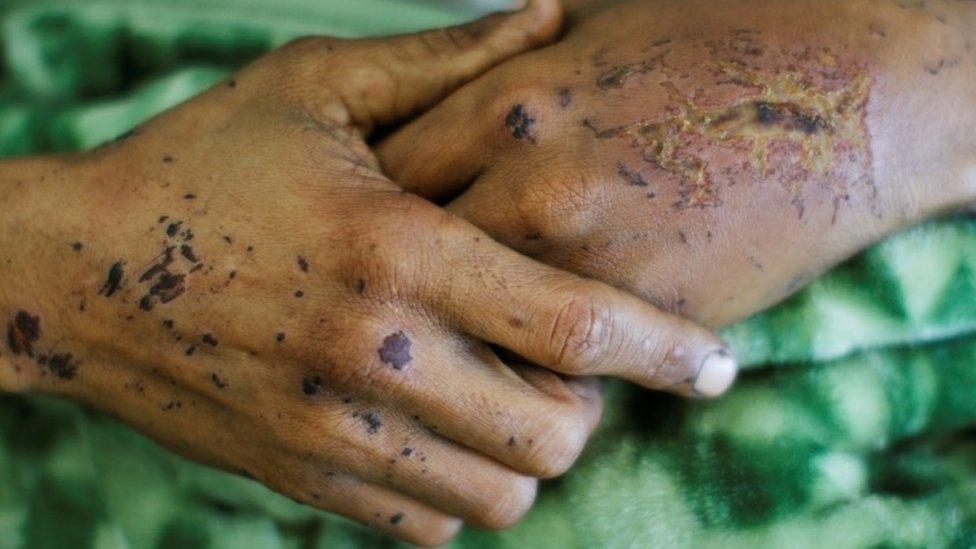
{"points": [[717, 373], [516, 5]]}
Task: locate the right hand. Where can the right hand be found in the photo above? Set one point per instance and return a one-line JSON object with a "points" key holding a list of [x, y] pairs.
{"points": [[238, 280]]}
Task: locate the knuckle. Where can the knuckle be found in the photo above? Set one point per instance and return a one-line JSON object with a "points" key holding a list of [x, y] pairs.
{"points": [[556, 207], [581, 333], [510, 503], [558, 445]]}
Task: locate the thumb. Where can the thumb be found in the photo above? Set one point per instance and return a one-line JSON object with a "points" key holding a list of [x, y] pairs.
{"points": [[383, 80]]}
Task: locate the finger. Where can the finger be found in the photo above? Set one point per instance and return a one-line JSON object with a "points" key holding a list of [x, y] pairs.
{"points": [[438, 472], [576, 326], [384, 80], [391, 512], [458, 388], [437, 155]]}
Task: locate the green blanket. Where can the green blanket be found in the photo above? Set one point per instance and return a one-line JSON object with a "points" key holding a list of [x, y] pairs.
{"points": [[849, 428]]}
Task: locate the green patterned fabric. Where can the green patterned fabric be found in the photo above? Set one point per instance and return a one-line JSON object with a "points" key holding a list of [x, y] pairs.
{"points": [[849, 429]]}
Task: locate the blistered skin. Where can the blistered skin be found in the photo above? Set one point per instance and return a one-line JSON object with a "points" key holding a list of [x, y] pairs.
{"points": [[715, 156]]}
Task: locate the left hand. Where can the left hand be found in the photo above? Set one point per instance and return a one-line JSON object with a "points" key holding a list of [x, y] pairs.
{"points": [[710, 157]]}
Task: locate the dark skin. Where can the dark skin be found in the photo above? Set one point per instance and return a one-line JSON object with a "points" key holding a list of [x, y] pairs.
{"points": [[237, 280], [711, 157]]}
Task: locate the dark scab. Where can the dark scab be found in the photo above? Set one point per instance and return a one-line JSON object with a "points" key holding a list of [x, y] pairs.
{"points": [[163, 218], [519, 124], [146, 303], [168, 324], [209, 339], [280, 337], [360, 286], [516, 322], [565, 97], [190, 350], [187, 252], [631, 176], [23, 333], [77, 246], [303, 264], [511, 442], [63, 365], [407, 452], [372, 421], [218, 383], [312, 386], [299, 294], [189, 196], [169, 287], [232, 83], [395, 519], [113, 281], [396, 350], [172, 405], [228, 239], [173, 228], [167, 159]]}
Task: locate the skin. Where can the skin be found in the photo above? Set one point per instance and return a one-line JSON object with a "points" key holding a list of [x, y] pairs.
{"points": [[237, 280], [711, 157]]}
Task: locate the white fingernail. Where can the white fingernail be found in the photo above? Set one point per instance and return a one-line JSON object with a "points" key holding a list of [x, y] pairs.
{"points": [[717, 374]]}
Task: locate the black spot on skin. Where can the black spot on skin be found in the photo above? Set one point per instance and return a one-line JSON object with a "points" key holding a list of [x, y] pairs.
{"points": [[113, 281], [565, 97], [190, 350], [312, 386], [280, 337], [163, 218], [209, 339], [146, 303], [23, 332], [515, 322], [630, 176], [395, 519], [218, 383], [396, 350], [173, 228], [360, 286], [189, 196], [167, 159], [511, 441], [303, 264], [406, 452], [249, 249], [187, 252], [519, 124], [231, 275], [63, 365], [168, 324], [77, 246], [232, 83], [372, 421], [299, 294], [172, 405], [228, 239]]}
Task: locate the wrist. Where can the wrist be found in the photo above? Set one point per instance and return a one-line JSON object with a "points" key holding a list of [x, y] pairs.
{"points": [[36, 273]]}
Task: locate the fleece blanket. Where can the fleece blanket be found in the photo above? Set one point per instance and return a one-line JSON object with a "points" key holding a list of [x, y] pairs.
{"points": [[850, 427]]}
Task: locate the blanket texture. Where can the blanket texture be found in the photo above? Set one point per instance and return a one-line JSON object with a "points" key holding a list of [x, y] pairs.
{"points": [[849, 428]]}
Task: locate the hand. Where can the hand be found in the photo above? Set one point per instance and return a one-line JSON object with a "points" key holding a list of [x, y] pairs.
{"points": [[238, 280], [710, 157]]}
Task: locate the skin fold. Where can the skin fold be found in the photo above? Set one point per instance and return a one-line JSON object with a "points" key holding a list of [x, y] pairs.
{"points": [[237, 280], [711, 157]]}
